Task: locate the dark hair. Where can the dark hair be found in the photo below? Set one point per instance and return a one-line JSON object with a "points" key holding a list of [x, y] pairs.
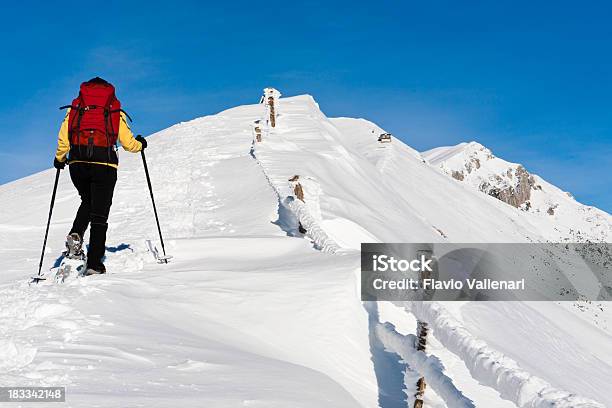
{"points": [[97, 80]]}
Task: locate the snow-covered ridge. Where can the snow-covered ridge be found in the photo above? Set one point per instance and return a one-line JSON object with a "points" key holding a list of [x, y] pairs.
{"points": [[295, 213]]}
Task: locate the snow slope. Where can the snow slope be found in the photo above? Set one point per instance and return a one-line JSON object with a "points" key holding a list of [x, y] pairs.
{"points": [[250, 312], [233, 321]]}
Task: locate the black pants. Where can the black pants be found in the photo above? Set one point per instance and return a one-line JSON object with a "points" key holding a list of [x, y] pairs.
{"points": [[95, 184]]}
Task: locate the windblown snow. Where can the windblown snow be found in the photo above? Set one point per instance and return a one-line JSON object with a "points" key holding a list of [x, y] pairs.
{"points": [[251, 312]]}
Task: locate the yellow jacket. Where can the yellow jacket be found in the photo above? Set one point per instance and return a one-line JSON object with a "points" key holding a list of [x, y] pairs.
{"points": [[126, 138]]}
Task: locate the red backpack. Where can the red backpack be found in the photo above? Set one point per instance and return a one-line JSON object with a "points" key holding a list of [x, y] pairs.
{"points": [[93, 122]]}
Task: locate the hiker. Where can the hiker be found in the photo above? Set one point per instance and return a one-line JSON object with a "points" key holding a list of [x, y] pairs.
{"points": [[93, 124]]}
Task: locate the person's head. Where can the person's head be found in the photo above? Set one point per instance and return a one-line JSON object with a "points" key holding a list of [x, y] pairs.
{"points": [[97, 80]]}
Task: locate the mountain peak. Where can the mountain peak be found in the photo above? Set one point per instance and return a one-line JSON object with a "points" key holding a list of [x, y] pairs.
{"points": [[473, 145], [473, 164], [470, 154]]}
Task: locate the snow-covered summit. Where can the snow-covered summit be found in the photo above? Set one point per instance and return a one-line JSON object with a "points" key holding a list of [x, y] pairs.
{"points": [[457, 154], [475, 164]]}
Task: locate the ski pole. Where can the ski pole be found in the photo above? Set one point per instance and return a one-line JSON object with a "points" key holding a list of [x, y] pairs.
{"points": [[144, 162], [42, 255]]}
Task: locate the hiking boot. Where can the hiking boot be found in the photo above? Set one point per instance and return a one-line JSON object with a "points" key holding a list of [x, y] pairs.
{"points": [[95, 270], [74, 246]]}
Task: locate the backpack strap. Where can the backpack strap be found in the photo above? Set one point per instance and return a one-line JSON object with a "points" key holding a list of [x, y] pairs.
{"points": [[124, 112], [95, 106], [107, 122], [86, 107]]}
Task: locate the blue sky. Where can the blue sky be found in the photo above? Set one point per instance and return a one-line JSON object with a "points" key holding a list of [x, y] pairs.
{"points": [[530, 80]]}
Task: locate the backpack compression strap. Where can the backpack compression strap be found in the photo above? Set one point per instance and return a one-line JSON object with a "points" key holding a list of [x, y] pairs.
{"points": [[95, 106]]}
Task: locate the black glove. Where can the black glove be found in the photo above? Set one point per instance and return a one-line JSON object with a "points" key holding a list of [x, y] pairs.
{"points": [[58, 164], [142, 141]]}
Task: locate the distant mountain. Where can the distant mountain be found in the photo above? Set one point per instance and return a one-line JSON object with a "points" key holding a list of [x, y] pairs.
{"points": [[474, 165]]}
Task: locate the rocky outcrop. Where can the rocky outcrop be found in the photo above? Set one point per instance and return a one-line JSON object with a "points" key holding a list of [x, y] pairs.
{"points": [[458, 175], [511, 184], [515, 193]]}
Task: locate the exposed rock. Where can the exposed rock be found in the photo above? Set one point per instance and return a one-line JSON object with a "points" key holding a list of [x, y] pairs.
{"points": [[516, 194], [458, 175]]}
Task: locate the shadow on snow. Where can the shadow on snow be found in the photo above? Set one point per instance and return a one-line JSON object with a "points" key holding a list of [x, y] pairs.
{"points": [[388, 369], [113, 249]]}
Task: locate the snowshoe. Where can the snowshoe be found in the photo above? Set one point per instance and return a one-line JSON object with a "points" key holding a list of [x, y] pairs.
{"points": [[70, 267], [72, 262], [74, 245], [74, 259]]}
